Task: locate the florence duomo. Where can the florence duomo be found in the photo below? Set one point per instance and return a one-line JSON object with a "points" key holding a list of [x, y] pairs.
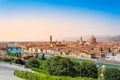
{"points": [[91, 40]]}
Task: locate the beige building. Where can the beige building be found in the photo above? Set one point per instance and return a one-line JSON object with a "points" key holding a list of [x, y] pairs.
{"points": [[3, 53]]}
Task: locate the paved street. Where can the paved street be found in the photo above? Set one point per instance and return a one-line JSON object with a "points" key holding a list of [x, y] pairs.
{"points": [[7, 71]]}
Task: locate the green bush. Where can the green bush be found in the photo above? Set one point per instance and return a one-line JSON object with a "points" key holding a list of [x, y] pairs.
{"points": [[19, 61], [111, 74], [61, 66], [8, 59], [32, 62], [36, 76], [42, 64], [21, 74], [12, 54], [89, 69], [13, 60]]}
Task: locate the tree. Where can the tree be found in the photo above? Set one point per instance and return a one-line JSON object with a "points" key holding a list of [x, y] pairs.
{"points": [[61, 66], [19, 61], [12, 54], [111, 74], [32, 62], [43, 56], [89, 69]]}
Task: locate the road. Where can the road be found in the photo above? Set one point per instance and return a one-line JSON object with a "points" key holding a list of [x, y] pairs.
{"points": [[7, 71]]}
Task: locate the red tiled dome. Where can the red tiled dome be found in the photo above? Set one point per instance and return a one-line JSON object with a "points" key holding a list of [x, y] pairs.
{"points": [[92, 39]]}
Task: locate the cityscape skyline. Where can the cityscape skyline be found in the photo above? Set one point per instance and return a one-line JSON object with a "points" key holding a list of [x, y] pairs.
{"points": [[37, 19], [60, 39]]}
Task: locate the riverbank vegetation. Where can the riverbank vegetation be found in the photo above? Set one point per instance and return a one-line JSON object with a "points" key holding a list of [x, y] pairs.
{"points": [[61, 68]]}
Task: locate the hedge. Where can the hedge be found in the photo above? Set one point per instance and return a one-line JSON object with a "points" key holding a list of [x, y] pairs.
{"points": [[13, 60], [8, 59], [38, 76], [39, 70]]}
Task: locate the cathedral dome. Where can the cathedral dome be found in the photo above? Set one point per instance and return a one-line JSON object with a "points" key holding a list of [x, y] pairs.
{"points": [[92, 39]]}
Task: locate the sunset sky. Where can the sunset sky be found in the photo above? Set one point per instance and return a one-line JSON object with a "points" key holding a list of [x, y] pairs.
{"points": [[27, 20]]}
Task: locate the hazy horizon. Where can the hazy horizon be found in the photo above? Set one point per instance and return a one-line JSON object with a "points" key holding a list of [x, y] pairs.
{"points": [[36, 20]]}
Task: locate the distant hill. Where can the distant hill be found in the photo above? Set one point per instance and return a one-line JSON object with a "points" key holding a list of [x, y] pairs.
{"points": [[99, 38], [112, 38]]}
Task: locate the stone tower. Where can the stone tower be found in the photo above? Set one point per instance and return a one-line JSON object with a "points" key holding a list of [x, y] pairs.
{"points": [[50, 39], [81, 40]]}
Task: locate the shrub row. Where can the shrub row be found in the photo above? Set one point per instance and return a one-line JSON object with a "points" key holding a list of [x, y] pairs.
{"points": [[36, 76], [8, 59], [12, 60], [39, 70]]}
